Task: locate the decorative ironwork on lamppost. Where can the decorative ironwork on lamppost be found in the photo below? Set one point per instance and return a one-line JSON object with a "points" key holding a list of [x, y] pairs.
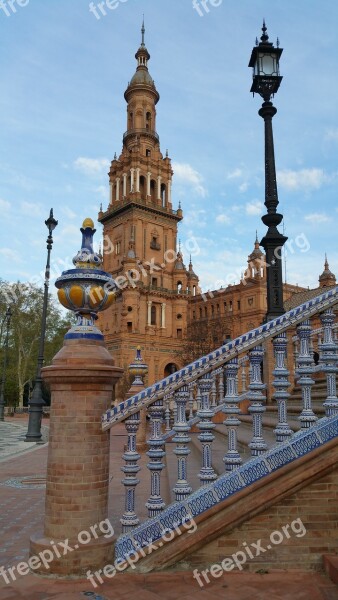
{"points": [[37, 402], [6, 322], [266, 81]]}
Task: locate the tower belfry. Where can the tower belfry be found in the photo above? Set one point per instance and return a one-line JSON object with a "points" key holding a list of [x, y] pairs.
{"points": [[141, 226]]}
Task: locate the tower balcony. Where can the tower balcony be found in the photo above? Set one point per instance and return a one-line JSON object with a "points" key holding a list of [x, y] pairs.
{"points": [[141, 131]]}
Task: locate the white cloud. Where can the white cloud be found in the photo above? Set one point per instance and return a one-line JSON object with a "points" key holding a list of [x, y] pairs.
{"points": [[223, 219], [236, 207], [70, 214], [195, 218], [92, 166], [317, 218], [5, 206], [102, 191], [332, 134], [10, 255], [186, 174], [255, 208], [71, 233], [243, 187], [31, 209], [236, 174], [305, 179]]}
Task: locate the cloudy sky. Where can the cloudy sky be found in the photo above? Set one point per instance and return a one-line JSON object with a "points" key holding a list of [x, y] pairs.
{"points": [[64, 70]]}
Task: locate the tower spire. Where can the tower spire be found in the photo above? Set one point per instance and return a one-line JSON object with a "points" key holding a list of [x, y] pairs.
{"points": [[143, 32]]}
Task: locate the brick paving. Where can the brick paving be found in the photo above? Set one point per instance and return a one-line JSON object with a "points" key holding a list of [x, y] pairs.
{"points": [[21, 514]]}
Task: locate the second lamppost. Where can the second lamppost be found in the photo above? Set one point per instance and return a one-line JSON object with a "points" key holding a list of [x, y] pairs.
{"points": [[266, 81], [36, 402]]}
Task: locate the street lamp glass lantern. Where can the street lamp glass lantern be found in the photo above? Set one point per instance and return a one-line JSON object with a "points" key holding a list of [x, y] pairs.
{"points": [[264, 61], [267, 64]]}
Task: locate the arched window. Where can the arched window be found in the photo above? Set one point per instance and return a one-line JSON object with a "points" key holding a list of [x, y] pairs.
{"points": [[194, 290], [153, 314], [179, 287], [169, 369]]}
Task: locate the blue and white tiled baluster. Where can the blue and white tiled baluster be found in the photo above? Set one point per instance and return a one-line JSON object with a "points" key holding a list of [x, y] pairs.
{"points": [[205, 425], [167, 400], [191, 401], [243, 376], [281, 384], [182, 488], [329, 359], [304, 372], [221, 388], [156, 452], [257, 400], [213, 391], [232, 458], [198, 396], [129, 518]]}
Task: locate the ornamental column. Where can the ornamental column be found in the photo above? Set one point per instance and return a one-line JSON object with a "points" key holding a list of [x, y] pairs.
{"points": [[148, 183], [163, 307], [124, 185], [132, 171], [81, 378], [169, 191], [117, 197], [138, 170], [159, 179]]}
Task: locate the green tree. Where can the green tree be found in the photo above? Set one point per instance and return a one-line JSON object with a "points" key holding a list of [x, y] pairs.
{"points": [[26, 302]]}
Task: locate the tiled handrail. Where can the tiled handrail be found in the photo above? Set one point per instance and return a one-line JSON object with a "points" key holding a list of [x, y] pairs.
{"points": [[220, 356]]}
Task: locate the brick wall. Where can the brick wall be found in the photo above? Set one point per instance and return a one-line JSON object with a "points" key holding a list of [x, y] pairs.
{"points": [[316, 506]]}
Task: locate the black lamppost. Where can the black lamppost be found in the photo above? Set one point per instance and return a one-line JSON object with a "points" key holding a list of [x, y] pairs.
{"points": [[266, 81], [6, 322], [36, 402]]}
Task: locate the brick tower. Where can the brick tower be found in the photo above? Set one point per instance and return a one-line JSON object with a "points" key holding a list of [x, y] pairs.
{"points": [[141, 226]]}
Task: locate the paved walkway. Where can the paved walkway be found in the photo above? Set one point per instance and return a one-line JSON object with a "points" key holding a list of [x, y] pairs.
{"points": [[22, 491]]}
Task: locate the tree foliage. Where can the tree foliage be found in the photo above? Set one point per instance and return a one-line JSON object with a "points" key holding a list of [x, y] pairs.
{"points": [[26, 302], [203, 336]]}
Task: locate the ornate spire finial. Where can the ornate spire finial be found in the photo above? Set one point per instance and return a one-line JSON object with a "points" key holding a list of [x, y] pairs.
{"points": [[143, 32], [166, 153], [264, 36], [115, 156], [326, 264], [256, 240]]}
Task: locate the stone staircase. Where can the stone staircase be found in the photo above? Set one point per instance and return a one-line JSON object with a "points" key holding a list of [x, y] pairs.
{"points": [[229, 471]]}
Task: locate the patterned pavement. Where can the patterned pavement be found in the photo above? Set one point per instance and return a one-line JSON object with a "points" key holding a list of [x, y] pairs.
{"points": [[21, 515], [12, 436]]}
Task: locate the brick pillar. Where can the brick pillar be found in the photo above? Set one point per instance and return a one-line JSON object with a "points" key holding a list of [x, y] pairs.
{"points": [[81, 379]]}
